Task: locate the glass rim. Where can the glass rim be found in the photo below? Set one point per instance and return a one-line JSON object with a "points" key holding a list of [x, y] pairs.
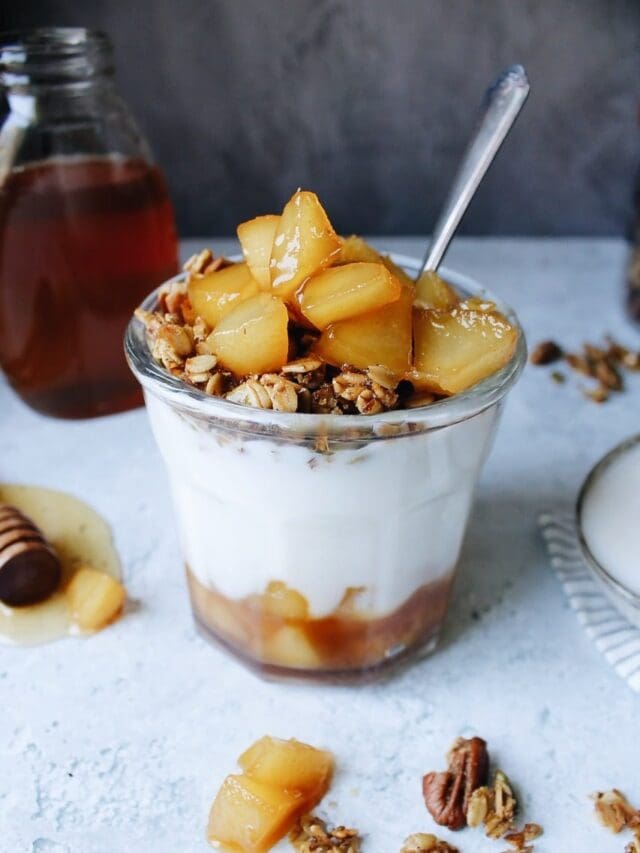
{"points": [[629, 596], [49, 39], [40, 53], [156, 380]]}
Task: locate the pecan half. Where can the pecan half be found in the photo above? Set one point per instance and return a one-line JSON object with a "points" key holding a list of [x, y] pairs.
{"points": [[447, 794]]}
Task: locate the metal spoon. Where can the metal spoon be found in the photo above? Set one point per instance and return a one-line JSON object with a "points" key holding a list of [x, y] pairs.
{"points": [[502, 103]]}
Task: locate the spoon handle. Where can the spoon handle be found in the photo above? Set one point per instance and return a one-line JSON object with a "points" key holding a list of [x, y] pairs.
{"points": [[502, 103]]}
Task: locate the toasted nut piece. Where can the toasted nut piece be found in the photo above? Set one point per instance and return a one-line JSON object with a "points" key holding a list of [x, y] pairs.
{"points": [[546, 352], [532, 831], [302, 365], [177, 338], [283, 393], [173, 297], [368, 404], [608, 375], [447, 794], [199, 262], [634, 845], [215, 385], [311, 835], [200, 363], [479, 805], [251, 393], [579, 363], [95, 598], [422, 842], [500, 819], [383, 376], [615, 812], [420, 398], [598, 395]]}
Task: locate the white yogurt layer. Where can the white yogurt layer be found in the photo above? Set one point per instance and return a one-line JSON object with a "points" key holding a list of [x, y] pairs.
{"points": [[610, 517], [389, 517]]}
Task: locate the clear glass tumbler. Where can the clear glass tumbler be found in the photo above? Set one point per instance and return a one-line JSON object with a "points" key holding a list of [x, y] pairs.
{"points": [[317, 546]]}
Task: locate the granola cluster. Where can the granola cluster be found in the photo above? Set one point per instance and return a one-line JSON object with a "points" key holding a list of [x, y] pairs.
{"points": [[311, 835], [604, 364], [178, 340], [616, 813], [423, 842]]}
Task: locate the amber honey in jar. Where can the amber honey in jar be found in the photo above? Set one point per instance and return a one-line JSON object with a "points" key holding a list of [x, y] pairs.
{"points": [[86, 224]]}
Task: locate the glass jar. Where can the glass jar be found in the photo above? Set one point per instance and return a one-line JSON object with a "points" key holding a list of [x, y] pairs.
{"points": [[320, 547], [633, 266], [86, 224]]}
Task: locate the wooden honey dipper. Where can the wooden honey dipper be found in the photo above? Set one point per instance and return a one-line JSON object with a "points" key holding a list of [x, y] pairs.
{"points": [[29, 568]]}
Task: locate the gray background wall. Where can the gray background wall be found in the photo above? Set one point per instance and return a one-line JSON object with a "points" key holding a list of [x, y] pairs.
{"points": [[369, 102]]}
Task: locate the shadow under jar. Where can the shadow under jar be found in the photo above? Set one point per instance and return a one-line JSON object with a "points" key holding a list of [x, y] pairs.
{"points": [[86, 224], [321, 547]]}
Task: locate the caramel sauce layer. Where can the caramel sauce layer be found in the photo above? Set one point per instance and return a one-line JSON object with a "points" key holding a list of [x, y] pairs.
{"points": [[346, 640]]}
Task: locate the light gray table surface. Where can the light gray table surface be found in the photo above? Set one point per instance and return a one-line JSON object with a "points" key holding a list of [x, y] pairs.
{"points": [[118, 743]]}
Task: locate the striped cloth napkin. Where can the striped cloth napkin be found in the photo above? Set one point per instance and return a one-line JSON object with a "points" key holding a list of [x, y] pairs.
{"points": [[615, 636]]}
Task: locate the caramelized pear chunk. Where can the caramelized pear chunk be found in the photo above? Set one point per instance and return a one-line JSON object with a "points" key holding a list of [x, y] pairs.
{"points": [[380, 337], [304, 244], [285, 603], [354, 249], [432, 291], [290, 646], [95, 598], [252, 338], [346, 291], [213, 295], [290, 765], [282, 780], [256, 240], [455, 349], [251, 816]]}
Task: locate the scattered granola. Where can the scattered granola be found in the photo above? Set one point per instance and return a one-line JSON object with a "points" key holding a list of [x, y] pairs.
{"points": [[460, 797], [422, 842], [311, 835], [499, 819], [604, 364], [546, 352], [519, 840], [615, 812]]}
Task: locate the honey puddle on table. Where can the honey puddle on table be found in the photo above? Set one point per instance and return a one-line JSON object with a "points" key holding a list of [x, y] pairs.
{"points": [[79, 536]]}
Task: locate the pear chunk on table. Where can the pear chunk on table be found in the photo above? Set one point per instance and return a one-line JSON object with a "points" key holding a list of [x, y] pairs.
{"points": [[290, 765], [251, 816], [282, 780]]}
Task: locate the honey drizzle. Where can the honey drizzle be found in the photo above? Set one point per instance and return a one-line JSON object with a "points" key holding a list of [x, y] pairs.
{"points": [[78, 535]]}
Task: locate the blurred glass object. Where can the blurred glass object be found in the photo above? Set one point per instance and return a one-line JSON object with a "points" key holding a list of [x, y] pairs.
{"points": [[86, 224]]}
